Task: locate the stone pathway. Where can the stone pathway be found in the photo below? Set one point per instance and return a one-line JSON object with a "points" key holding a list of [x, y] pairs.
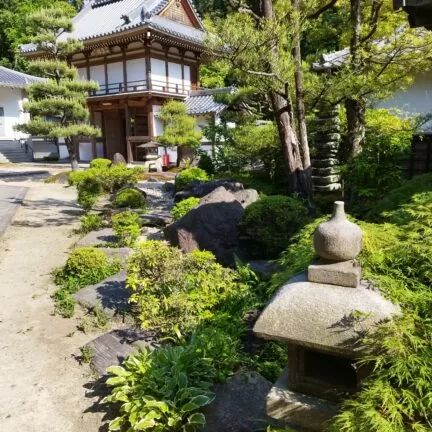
{"points": [[10, 200], [42, 386]]}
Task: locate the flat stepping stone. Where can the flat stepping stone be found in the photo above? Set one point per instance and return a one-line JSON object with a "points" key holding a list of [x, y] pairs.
{"points": [[112, 348], [95, 238], [117, 253], [158, 219], [111, 295]]}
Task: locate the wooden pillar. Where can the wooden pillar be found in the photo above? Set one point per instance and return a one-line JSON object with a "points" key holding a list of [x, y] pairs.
{"points": [[150, 118], [94, 150], [148, 70], [183, 75], [87, 56], [166, 72], [129, 153], [106, 75], [125, 78]]}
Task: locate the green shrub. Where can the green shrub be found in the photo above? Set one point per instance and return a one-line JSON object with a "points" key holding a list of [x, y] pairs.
{"points": [[127, 227], [268, 225], [172, 289], [161, 390], [100, 163], [187, 176], [117, 177], [76, 177], [131, 198], [184, 207], [91, 222], [85, 266], [89, 191]]}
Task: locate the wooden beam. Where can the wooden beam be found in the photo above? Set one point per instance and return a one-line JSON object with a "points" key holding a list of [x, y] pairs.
{"points": [[125, 78], [129, 153], [106, 76], [150, 118]]}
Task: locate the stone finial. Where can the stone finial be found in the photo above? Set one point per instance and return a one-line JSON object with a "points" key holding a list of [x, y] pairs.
{"points": [[338, 239]]}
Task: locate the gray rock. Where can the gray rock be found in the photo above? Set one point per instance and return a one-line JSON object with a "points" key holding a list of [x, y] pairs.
{"points": [[304, 411], [200, 189], [326, 318], [326, 180], [240, 405], [96, 238], [212, 226], [159, 219], [112, 348], [338, 239], [111, 295], [246, 197], [121, 254], [345, 273], [118, 158]]}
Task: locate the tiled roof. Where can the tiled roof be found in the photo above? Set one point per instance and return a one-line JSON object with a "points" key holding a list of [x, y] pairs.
{"points": [[105, 17], [13, 79], [332, 60], [203, 102]]}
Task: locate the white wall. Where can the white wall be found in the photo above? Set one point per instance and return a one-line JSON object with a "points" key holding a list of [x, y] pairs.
{"points": [[11, 101], [416, 100], [97, 73], [136, 71], [82, 72], [115, 76], [187, 78], [175, 78], [157, 124], [158, 74]]}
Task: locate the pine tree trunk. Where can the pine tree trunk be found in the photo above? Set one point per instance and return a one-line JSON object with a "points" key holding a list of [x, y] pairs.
{"points": [[355, 112], [73, 157]]}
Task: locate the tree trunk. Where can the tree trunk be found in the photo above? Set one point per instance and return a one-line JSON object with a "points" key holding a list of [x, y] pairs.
{"points": [[299, 179], [355, 112], [73, 157]]}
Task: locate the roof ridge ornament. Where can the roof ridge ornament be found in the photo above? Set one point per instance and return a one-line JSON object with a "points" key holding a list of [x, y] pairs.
{"points": [[145, 14]]}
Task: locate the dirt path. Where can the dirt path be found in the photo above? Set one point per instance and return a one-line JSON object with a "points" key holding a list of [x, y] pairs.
{"points": [[41, 383]]}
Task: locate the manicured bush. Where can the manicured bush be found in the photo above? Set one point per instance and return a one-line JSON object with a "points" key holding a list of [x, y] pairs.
{"points": [[76, 177], [184, 207], [91, 222], [89, 191], [117, 177], [126, 226], [162, 390], [176, 290], [100, 163], [85, 266], [187, 176], [131, 198], [268, 225]]}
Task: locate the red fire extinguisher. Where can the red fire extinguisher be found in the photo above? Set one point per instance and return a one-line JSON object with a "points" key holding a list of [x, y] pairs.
{"points": [[165, 160]]}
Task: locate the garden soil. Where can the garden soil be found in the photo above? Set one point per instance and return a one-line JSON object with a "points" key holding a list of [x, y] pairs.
{"points": [[43, 388]]}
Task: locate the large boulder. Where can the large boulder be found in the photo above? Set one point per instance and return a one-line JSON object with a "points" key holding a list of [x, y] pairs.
{"points": [[246, 197], [199, 189], [211, 226], [118, 158]]}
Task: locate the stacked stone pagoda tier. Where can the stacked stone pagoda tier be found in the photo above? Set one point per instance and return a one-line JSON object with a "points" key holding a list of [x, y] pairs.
{"points": [[325, 170], [322, 315]]}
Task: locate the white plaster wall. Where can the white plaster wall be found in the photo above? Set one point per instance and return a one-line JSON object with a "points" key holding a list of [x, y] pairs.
{"points": [[157, 124], [175, 78], [11, 101], [85, 151], [136, 71], [187, 78], [158, 74], [415, 101], [97, 73], [115, 76], [82, 72]]}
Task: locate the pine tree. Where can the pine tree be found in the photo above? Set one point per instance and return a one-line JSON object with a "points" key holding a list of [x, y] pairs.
{"points": [[58, 105], [179, 128]]}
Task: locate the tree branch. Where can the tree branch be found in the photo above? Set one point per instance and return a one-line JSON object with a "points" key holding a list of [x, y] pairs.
{"points": [[317, 13]]}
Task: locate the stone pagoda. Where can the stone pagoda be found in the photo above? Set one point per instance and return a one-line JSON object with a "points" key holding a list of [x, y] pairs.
{"points": [[322, 314]]}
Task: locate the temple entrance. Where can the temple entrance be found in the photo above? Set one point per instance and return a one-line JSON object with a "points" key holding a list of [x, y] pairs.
{"points": [[115, 133]]}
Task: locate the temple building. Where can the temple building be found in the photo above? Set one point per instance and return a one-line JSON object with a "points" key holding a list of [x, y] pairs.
{"points": [[142, 53]]}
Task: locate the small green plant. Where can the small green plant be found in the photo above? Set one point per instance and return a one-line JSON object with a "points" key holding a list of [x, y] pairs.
{"points": [[89, 191], [130, 198], [85, 266], [184, 207], [189, 175], [86, 355], [161, 390], [91, 222], [126, 226], [100, 163], [268, 225], [76, 177]]}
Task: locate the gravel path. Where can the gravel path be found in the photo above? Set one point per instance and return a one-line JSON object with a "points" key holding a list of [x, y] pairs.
{"points": [[41, 383]]}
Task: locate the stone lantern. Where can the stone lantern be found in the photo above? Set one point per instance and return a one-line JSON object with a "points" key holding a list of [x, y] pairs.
{"points": [[322, 315]]}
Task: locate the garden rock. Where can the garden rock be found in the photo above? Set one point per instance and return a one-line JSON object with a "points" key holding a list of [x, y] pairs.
{"points": [[211, 226], [246, 197], [200, 189], [112, 348], [111, 295], [95, 238], [159, 219], [118, 158], [121, 254], [240, 405]]}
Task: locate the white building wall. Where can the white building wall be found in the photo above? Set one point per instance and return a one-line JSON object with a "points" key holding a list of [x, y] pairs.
{"points": [[97, 73], [11, 101], [175, 78], [115, 77], [136, 74], [158, 74], [187, 78], [415, 101], [82, 72]]}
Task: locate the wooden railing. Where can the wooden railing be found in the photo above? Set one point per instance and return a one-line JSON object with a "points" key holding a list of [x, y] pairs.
{"points": [[141, 86]]}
